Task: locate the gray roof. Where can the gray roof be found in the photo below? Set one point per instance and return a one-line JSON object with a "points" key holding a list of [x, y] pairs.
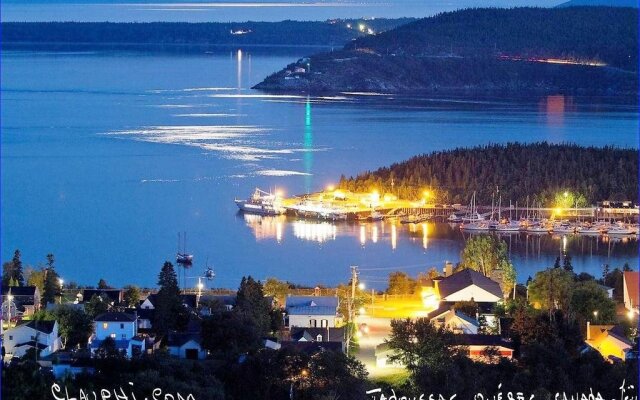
{"points": [[42, 326], [19, 290], [115, 317], [467, 318], [311, 301], [312, 310], [466, 278], [180, 339]]}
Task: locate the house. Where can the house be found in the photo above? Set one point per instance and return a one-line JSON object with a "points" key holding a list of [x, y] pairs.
{"points": [[40, 335], [122, 328], [188, 300], [186, 345], [114, 296], [312, 311], [145, 318], [311, 347], [318, 335], [26, 298], [467, 285], [479, 346], [630, 290], [609, 341], [226, 301], [456, 321]]}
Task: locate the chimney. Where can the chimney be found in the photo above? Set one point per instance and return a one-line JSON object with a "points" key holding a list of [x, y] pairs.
{"points": [[588, 330], [448, 269]]}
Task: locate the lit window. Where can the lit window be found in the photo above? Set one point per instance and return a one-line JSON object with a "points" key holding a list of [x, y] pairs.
{"points": [[319, 338], [113, 336], [105, 325]]}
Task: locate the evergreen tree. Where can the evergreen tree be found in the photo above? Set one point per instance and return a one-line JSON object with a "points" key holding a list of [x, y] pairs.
{"points": [[17, 268], [567, 264], [102, 284], [169, 311], [51, 282], [557, 263], [251, 302]]}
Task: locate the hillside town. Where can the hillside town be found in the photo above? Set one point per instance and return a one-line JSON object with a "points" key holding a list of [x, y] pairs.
{"points": [[68, 331]]}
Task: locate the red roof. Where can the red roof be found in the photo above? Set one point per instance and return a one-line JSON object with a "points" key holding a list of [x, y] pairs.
{"points": [[631, 282]]}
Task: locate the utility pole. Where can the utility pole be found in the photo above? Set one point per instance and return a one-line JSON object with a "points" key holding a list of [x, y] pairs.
{"points": [[351, 303]]}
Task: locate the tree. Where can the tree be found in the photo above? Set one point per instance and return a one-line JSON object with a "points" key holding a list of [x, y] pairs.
{"points": [[276, 288], [12, 274], [96, 305], [36, 278], [567, 264], [488, 256], [251, 302], [229, 334], [551, 289], [169, 312], [589, 297], [102, 284], [74, 325], [556, 264], [400, 283], [51, 282], [419, 344], [131, 296]]}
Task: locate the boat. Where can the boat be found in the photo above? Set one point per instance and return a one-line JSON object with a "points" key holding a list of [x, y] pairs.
{"points": [[261, 203], [621, 230], [475, 226], [539, 228], [511, 226], [375, 216], [415, 218], [454, 218], [590, 229], [182, 257], [564, 227]]}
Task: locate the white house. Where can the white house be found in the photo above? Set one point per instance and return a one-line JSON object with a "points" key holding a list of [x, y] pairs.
{"points": [[312, 311], [42, 335], [456, 321], [630, 290], [122, 328], [186, 345], [25, 298], [467, 285]]}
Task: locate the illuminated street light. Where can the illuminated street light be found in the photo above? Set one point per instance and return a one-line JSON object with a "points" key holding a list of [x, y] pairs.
{"points": [[595, 314], [61, 282], [361, 286], [630, 315], [362, 311]]}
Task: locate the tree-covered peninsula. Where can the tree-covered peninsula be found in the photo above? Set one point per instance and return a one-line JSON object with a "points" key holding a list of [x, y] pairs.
{"points": [[590, 50], [538, 171]]}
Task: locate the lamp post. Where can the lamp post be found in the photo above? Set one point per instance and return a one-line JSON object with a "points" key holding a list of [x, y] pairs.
{"points": [[595, 315]]}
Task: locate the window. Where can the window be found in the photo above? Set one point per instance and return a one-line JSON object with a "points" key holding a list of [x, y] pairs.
{"points": [[324, 323], [313, 323], [121, 326], [105, 325], [319, 338], [113, 336], [10, 337]]}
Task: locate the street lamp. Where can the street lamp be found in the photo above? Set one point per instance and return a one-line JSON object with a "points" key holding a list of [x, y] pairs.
{"points": [[595, 314], [361, 286]]}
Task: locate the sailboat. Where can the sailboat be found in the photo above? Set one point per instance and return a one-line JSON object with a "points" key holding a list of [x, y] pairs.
{"points": [[473, 221]]}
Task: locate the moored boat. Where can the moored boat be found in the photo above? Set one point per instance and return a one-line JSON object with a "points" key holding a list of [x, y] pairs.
{"points": [[261, 203]]}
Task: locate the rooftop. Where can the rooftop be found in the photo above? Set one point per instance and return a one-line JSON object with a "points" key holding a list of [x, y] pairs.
{"points": [[465, 278]]}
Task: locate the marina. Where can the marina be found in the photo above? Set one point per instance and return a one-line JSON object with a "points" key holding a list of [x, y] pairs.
{"points": [[340, 205]]}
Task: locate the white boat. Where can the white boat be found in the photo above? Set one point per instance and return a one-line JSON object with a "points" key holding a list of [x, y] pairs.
{"points": [[454, 218], [591, 230], [475, 226], [621, 230], [564, 227], [539, 228], [262, 203], [511, 226]]}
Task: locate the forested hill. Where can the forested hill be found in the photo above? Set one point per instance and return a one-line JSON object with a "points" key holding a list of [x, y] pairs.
{"points": [[572, 50], [607, 34], [286, 33], [538, 170], [593, 3]]}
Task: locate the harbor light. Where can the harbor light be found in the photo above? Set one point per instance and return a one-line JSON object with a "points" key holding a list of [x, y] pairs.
{"points": [[362, 27], [200, 285], [330, 188], [279, 193]]}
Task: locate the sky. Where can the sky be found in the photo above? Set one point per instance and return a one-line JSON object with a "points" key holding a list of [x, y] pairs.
{"points": [[237, 10]]}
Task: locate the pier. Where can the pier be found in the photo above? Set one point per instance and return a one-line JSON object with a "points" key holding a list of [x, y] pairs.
{"points": [[344, 205]]}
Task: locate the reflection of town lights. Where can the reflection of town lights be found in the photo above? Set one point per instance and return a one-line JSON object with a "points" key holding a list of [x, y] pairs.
{"points": [[315, 232], [279, 231], [564, 244], [394, 237], [374, 234], [363, 235], [425, 237]]}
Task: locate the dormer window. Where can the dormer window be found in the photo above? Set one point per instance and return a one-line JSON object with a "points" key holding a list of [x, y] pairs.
{"points": [[319, 338]]}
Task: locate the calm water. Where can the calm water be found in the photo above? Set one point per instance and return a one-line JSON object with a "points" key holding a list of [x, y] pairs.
{"points": [[106, 155], [237, 10]]}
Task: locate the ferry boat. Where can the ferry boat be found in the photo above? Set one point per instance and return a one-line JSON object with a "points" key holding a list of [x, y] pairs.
{"points": [[261, 203]]}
